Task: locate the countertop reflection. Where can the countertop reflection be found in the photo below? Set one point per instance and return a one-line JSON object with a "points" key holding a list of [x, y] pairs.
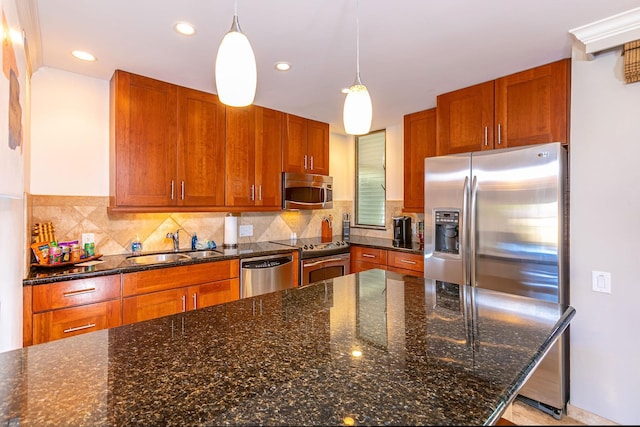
{"points": [[370, 348]]}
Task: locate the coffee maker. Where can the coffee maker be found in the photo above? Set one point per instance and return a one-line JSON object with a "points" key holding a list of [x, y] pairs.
{"points": [[401, 231]]}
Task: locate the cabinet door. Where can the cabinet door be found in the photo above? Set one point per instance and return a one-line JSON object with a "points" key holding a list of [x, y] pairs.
{"points": [[318, 147], [55, 324], [153, 305], [465, 120], [201, 139], [213, 293], [241, 156], [143, 141], [419, 142], [294, 146], [71, 293], [532, 106], [269, 125]]}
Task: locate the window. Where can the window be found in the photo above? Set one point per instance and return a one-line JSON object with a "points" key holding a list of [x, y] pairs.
{"points": [[371, 191]]}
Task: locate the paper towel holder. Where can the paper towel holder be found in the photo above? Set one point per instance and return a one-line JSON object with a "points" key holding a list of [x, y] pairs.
{"points": [[230, 231]]}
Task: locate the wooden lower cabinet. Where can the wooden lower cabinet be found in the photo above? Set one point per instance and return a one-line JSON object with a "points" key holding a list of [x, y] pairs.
{"points": [[71, 307], [55, 324], [172, 301], [161, 292], [364, 258]]}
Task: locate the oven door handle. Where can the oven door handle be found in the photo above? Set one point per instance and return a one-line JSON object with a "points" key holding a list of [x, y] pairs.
{"points": [[322, 261]]}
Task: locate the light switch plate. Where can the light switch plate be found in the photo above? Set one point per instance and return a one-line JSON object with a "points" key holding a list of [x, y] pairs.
{"points": [[88, 238], [246, 230], [601, 281]]}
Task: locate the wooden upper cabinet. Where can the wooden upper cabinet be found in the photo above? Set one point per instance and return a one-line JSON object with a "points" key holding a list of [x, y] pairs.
{"points": [[305, 147], [201, 136], [166, 146], [269, 131], [419, 142], [241, 156], [524, 108], [465, 120], [532, 107], [318, 147], [142, 141], [254, 153]]}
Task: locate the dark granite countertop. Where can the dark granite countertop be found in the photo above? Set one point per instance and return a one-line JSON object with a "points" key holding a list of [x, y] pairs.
{"points": [[115, 264], [382, 243], [428, 354]]}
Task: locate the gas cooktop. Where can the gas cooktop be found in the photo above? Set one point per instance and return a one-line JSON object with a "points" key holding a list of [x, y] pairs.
{"points": [[312, 247]]}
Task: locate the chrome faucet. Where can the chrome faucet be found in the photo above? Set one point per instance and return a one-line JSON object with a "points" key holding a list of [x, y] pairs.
{"points": [[176, 240]]}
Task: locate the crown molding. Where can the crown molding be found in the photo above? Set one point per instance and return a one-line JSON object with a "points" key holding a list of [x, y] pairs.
{"points": [[609, 32]]}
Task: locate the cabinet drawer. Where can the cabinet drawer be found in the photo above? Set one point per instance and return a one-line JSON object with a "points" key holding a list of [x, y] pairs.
{"points": [[67, 322], [75, 292], [143, 282], [153, 305], [406, 261], [370, 255]]}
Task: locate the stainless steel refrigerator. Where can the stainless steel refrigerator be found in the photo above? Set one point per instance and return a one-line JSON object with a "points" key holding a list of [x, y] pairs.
{"points": [[499, 220]]}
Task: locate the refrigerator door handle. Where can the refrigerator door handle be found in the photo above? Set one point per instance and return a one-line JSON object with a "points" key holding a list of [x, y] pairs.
{"points": [[463, 234], [472, 230]]}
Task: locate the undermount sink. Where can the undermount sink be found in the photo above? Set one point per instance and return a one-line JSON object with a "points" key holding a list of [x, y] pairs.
{"points": [[204, 254], [157, 258]]}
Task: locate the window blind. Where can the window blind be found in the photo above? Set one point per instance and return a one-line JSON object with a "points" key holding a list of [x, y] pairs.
{"points": [[370, 180], [632, 61]]}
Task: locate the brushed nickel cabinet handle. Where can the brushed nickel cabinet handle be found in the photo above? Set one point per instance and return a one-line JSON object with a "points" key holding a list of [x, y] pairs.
{"points": [[79, 328], [79, 292], [305, 162], [406, 261], [499, 136], [184, 303], [195, 301], [172, 184], [182, 190], [368, 256]]}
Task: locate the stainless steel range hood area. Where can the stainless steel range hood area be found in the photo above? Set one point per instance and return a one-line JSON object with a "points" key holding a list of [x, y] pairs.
{"points": [[301, 191]]}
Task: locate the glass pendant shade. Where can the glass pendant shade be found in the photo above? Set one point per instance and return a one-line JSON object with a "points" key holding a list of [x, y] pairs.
{"points": [[357, 111], [236, 75]]}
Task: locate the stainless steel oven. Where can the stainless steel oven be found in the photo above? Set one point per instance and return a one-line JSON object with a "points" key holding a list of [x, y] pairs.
{"points": [[325, 267], [321, 260]]}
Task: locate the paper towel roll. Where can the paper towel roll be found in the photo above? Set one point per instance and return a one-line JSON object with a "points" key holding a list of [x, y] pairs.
{"points": [[230, 231]]}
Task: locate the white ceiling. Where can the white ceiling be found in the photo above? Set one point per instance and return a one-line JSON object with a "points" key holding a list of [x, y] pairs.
{"points": [[410, 50]]}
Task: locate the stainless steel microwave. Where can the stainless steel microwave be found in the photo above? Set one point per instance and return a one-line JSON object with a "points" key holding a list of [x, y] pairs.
{"points": [[306, 191]]}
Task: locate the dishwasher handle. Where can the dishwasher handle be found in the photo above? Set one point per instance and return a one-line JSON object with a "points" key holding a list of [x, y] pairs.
{"points": [[255, 264]]}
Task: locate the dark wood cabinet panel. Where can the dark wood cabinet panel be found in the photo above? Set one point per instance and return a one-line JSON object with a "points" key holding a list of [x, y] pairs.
{"points": [[143, 140], [269, 130], [465, 120], [318, 147], [254, 157], [532, 107], [419, 143], [241, 156], [524, 108], [305, 146], [200, 149]]}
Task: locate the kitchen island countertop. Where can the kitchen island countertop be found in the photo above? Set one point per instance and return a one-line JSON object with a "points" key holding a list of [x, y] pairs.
{"points": [[373, 348]]}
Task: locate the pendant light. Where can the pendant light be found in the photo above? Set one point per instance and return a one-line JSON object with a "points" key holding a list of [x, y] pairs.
{"points": [[357, 111], [236, 74]]}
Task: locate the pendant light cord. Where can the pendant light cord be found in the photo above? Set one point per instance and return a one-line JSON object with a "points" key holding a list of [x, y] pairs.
{"points": [[358, 42], [235, 8]]}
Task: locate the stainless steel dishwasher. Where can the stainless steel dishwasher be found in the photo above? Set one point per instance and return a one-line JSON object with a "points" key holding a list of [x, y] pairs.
{"points": [[260, 275]]}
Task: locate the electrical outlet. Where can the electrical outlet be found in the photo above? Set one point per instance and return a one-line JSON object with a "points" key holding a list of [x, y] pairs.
{"points": [[601, 281], [246, 230]]}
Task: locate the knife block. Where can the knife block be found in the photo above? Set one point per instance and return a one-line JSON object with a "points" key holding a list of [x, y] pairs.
{"points": [[327, 232]]}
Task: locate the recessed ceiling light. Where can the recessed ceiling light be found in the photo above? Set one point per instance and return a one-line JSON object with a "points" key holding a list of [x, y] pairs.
{"points": [[184, 28], [85, 56], [283, 66]]}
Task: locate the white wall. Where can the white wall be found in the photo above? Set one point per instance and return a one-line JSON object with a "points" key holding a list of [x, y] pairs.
{"points": [[605, 231], [70, 134]]}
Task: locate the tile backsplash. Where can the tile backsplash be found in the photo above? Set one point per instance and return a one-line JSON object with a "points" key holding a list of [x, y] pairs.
{"points": [[74, 215]]}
